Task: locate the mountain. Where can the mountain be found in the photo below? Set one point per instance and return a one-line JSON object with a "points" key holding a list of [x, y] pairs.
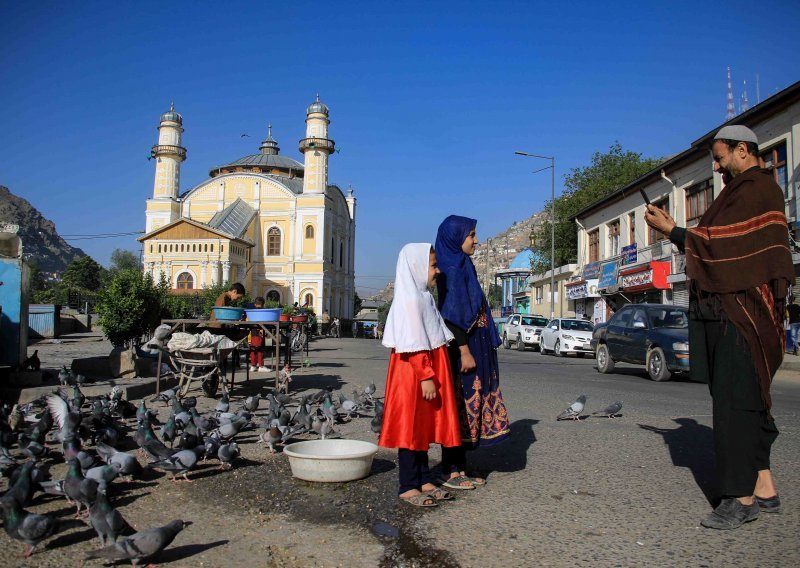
{"points": [[40, 240], [502, 249]]}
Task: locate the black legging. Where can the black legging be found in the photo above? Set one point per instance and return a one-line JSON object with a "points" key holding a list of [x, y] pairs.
{"points": [[414, 470]]}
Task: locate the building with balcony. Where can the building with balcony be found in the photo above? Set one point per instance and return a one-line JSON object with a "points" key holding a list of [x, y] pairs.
{"points": [[266, 220], [633, 263], [514, 284], [540, 292]]}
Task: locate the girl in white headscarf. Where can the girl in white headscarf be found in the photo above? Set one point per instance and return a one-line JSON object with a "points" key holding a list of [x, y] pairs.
{"points": [[420, 406]]}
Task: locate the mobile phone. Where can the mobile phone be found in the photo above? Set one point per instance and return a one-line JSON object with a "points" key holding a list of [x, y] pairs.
{"points": [[644, 196]]}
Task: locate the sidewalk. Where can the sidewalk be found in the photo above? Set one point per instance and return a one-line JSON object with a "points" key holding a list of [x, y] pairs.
{"points": [[790, 362]]}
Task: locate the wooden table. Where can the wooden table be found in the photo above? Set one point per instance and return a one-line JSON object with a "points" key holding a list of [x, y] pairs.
{"points": [[271, 329]]}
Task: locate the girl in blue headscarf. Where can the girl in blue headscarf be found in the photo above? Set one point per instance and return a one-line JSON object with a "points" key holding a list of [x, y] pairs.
{"points": [[473, 354]]}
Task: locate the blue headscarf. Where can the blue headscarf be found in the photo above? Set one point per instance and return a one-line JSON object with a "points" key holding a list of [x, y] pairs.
{"points": [[460, 295]]}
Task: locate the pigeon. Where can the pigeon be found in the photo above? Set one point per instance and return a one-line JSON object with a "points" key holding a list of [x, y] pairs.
{"points": [[128, 465], [34, 450], [180, 463], [80, 490], [168, 431], [164, 396], [212, 445], [141, 414], [86, 460], [224, 404], [227, 453], [28, 527], [106, 520], [251, 403], [16, 419], [611, 410], [349, 407], [103, 475], [189, 402], [573, 411], [228, 431], [33, 363], [66, 420], [142, 545], [376, 424], [272, 437], [65, 376], [22, 489], [78, 398], [53, 487]]}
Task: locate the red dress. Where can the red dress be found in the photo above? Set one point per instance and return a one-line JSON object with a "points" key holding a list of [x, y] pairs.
{"points": [[410, 421]]}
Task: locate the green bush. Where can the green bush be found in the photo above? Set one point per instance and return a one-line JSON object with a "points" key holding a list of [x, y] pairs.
{"points": [[129, 306]]}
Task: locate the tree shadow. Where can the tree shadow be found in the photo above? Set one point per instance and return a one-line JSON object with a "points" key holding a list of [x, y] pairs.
{"points": [[691, 445], [509, 456]]}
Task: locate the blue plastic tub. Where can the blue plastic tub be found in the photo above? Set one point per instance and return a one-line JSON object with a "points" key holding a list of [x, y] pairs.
{"points": [[263, 314], [228, 314]]}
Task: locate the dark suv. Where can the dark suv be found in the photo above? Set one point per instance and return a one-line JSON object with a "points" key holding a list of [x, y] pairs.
{"points": [[655, 335]]}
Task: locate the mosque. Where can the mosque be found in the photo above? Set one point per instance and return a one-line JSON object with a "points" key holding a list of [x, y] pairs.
{"points": [[270, 222]]}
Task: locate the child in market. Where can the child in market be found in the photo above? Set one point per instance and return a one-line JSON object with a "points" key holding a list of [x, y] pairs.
{"points": [[420, 405], [257, 344]]}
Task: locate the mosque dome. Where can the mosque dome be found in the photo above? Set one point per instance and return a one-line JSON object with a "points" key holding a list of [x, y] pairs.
{"points": [[317, 106], [171, 115], [522, 260]]}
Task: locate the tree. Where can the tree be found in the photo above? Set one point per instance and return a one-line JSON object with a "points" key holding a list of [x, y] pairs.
{"points": [[129, 306], [356, 304], [495, 296], [582, 187], [124, 260], [383, 312], [83, 274]]}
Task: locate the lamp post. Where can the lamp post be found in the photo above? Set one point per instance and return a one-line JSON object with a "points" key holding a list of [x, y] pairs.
{"points": [[552, 168]]}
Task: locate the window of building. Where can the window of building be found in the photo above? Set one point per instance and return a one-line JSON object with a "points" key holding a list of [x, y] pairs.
{"points": [[205, 246], [151, 248], [309, 231], [631, 228], [594, 246], [539, 294], [159, 248], [309, 302], [181, 247], [333, 250], [185, 281], [613, 238], [212, 248], [273, 296], [654, 236], [274, 242], [775, 161], [698, 198], [341, 255]]}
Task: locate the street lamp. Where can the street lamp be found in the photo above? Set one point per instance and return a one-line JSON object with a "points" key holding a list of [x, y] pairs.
{"points": [[552, 168]]}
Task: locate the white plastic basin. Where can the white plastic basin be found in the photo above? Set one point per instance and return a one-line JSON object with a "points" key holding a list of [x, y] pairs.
{"points": [[331, 460]]}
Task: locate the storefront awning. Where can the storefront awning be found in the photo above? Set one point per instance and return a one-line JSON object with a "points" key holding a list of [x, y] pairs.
{"points": [[652, 275]]}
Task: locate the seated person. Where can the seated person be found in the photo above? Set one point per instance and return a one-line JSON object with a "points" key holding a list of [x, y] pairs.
{"points": [[234, 294], [257, 344]]}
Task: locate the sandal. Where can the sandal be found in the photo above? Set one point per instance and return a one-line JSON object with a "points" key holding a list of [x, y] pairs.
{"points": [[456, 483], [420, 500], [440, 494], [476, 481]]}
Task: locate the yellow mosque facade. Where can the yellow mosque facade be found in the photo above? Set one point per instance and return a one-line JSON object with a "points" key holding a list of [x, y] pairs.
{"points": [[270, 222]]}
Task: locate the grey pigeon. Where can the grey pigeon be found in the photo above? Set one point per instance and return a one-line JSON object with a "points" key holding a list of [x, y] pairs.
{"points": [[128, 464], [611, 410], [142, 545], [103, 474], [573, 411], [227, 453], [272, 437], [376, 424], [22, 489], [34, 450], [224, 404], [228, 431], [107, 522], [86, 460], [164, 396], [168, 431], [80, 490], [251, 403], [28, 527], [212, 445], [180, 463]]}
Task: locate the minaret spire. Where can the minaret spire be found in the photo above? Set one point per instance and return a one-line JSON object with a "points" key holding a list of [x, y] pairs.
{"points": [[744, 104], [731, 109]]}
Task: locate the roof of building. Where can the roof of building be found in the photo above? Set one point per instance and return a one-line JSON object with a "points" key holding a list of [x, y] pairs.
{"points": [[234, 219], [171, 115], [205, 226], [522, 260], [263, 161], [317, 106]]}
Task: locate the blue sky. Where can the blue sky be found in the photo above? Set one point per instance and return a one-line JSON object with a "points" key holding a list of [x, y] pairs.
{"points": [[428, 101]]}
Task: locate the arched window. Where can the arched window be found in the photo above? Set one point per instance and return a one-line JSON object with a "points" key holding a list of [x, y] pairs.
{"points": [[185, 281], [309, 231], [341, 255], [159, 248], [151, 248], [273, 296], [212, 248], [205, 246], [181, 247], [309, 300], [194, 248], [274, 242]]}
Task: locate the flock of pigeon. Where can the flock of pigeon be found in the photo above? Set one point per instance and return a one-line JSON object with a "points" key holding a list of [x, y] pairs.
{"points": [[88, 433], [574, 410]]}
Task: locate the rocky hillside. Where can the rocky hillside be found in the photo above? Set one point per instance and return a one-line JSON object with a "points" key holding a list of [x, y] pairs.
{"points": [[501, 249], [40, 241]]}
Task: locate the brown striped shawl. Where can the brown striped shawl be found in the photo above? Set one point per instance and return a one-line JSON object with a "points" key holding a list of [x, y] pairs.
{"points": [[739, 252]]}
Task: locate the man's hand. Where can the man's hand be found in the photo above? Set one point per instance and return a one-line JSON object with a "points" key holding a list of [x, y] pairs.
{"points": [[659, 219], [467, 360], [428, 389]]}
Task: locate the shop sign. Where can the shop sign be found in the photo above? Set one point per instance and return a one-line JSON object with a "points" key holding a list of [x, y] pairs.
{"points": [[629, 254], [678, 263], [608, 275], [577, 291], [591, 270], [591, 288], [638, 279]]}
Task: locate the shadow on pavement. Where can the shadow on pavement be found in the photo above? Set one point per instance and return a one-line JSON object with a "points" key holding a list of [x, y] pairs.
{"points": [[510, 455], [691, 445], [187, 550]]}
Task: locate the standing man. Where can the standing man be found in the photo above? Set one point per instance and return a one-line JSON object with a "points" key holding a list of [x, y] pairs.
{"points": [[740, 267], [793, 311]]}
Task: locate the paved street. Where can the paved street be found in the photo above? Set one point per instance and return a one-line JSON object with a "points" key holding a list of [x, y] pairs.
{"points": [[600, 492]]}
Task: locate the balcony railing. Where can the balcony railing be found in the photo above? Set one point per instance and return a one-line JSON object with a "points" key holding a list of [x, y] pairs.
{"points": [[167, 150], [317, 144]]}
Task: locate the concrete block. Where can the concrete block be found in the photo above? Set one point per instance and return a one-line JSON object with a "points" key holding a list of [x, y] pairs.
{"points": [[123, 363]]}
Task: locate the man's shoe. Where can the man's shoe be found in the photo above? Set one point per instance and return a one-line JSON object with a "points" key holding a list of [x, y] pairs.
{"points": [[771, 505], [731, 514]]}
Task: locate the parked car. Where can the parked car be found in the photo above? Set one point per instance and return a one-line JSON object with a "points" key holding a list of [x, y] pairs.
{"points": [[654, 335], [566, 335], [523, 330]]}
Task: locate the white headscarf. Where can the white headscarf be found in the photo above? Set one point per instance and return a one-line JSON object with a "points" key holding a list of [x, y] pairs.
{"points": [[414, 324]]}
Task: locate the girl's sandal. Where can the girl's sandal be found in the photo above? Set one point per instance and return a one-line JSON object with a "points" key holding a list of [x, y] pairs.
{"points": [[476, 481], [440, 494], [461, 482], [420, 500]]}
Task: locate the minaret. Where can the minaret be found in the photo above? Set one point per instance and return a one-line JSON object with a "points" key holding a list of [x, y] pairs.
{"points": [[731, 110], [744, 104], [316, 147], [168, 154]]}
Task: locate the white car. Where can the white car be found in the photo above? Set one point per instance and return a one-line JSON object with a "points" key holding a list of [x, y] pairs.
{"points": [[567, 335], [523, 331]]}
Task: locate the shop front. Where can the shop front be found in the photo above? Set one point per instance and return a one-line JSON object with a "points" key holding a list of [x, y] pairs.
{"points": [[583, 296], [646, 283]]}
